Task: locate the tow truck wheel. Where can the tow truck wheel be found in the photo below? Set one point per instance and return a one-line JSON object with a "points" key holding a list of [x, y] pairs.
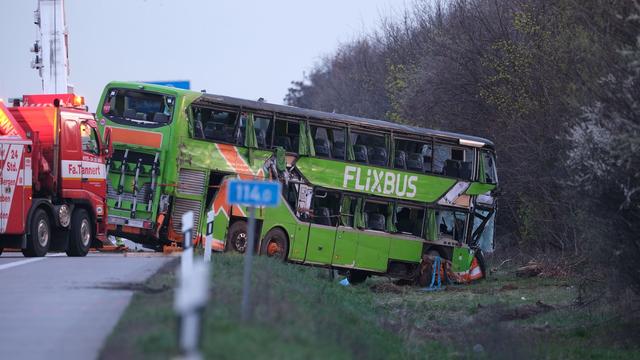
{"points": [[81, 233], [39, 237]]}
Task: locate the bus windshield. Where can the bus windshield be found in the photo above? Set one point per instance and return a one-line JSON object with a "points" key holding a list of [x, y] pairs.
{"points": [[138, 108]]}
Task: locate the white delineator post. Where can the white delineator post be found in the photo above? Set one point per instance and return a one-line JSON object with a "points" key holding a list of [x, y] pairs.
{"points": [[186, 261], [192, 294], [209, 237]]}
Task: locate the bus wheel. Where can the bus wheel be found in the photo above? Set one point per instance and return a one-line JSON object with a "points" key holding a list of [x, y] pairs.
{"points": [[237, 237], [81, 233], [357, 276], [39, 235], [275, 244], [1, 250]]}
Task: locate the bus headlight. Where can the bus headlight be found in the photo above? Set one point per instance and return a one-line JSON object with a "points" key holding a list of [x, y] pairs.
{"points": [[64, 215]]}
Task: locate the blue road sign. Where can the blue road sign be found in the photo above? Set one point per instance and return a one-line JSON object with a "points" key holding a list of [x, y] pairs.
{"points": [[254, 193], [180, 84]]}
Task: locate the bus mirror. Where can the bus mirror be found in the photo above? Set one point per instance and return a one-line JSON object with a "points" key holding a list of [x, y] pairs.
{"points": [[108, 146]]}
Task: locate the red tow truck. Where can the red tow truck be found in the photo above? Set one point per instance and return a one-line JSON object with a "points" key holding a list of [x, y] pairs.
{"points": [[52, 176]]}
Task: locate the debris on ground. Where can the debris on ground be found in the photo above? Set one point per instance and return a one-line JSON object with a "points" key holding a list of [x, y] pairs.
{"points": [[526, 311], [530, 270], [508, 287], [387, 287]]}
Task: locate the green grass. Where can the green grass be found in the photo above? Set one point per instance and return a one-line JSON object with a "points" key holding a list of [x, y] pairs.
{"points": [[300, 313]]}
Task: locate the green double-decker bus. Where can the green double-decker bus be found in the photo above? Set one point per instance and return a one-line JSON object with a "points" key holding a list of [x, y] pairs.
{"points": [[361, 195]]}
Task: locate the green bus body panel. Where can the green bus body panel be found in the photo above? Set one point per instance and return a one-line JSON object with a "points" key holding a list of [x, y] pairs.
{"points": [[320, 244], [477, 188], [406, 250], [298, 243], [346, 246], [373, 251], [222, 157], [462, 258], [373, 180]]}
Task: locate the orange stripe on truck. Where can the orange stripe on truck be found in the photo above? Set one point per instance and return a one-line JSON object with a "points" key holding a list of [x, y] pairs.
{"points": [[136, 137]]}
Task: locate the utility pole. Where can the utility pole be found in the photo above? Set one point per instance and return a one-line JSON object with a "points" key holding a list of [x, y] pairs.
{"points": [[51, 48]]}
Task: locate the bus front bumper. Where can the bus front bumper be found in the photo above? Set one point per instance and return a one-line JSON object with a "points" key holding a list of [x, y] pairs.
{"points": [[114, 221]]}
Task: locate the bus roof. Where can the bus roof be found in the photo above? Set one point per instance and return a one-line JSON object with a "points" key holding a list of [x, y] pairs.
{"points": [[315, 114]]}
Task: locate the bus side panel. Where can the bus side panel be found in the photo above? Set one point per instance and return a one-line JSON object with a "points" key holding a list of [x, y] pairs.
{"points": [[320, 244], [373, 251], [298, 245], [405, 250], [220, 227], [344, 253]]}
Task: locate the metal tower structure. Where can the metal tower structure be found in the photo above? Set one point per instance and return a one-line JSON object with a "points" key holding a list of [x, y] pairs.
{"points": [[51, 49]]}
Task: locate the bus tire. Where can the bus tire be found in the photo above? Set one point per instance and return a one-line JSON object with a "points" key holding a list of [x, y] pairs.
{"points": [[237, 237], [81, 233], [357, 276], [39, 237], [275, 244], [1, 249]]}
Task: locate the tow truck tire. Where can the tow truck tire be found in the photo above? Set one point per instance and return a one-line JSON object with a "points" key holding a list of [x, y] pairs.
{"points": [[237, 240], [39, 237], [81, 233]]}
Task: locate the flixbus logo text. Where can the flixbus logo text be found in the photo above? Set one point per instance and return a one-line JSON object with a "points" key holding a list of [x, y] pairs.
{"points": [[380, 181]]}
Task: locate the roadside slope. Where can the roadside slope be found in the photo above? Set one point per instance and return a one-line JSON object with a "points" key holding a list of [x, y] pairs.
{"points": [[301, 313]]}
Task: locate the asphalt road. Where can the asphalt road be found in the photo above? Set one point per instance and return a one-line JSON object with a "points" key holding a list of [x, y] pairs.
{"points": [[64, 308]]}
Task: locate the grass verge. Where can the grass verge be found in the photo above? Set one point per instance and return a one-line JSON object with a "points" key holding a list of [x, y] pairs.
{"points": [[299, 312]]}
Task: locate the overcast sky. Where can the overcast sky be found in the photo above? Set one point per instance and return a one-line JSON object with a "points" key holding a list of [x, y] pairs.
{"points": [[243, 48]]}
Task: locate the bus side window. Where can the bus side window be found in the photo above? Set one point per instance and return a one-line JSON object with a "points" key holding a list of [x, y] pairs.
{"points": [[290, 193], [409, 220], [412, 155], [453, 162], [326, 207], [348, 207], [376, 215], [218, 125], [452, 223], [490, 175], [328, 142], [262, 127], [287, 135], [369, 149]]}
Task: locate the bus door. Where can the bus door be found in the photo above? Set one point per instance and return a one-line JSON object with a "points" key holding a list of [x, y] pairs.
{"points": [[325, 210], [373, 241], [344, 252]]}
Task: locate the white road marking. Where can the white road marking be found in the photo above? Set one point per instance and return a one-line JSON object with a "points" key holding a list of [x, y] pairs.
{"points": [[26, 261]]}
